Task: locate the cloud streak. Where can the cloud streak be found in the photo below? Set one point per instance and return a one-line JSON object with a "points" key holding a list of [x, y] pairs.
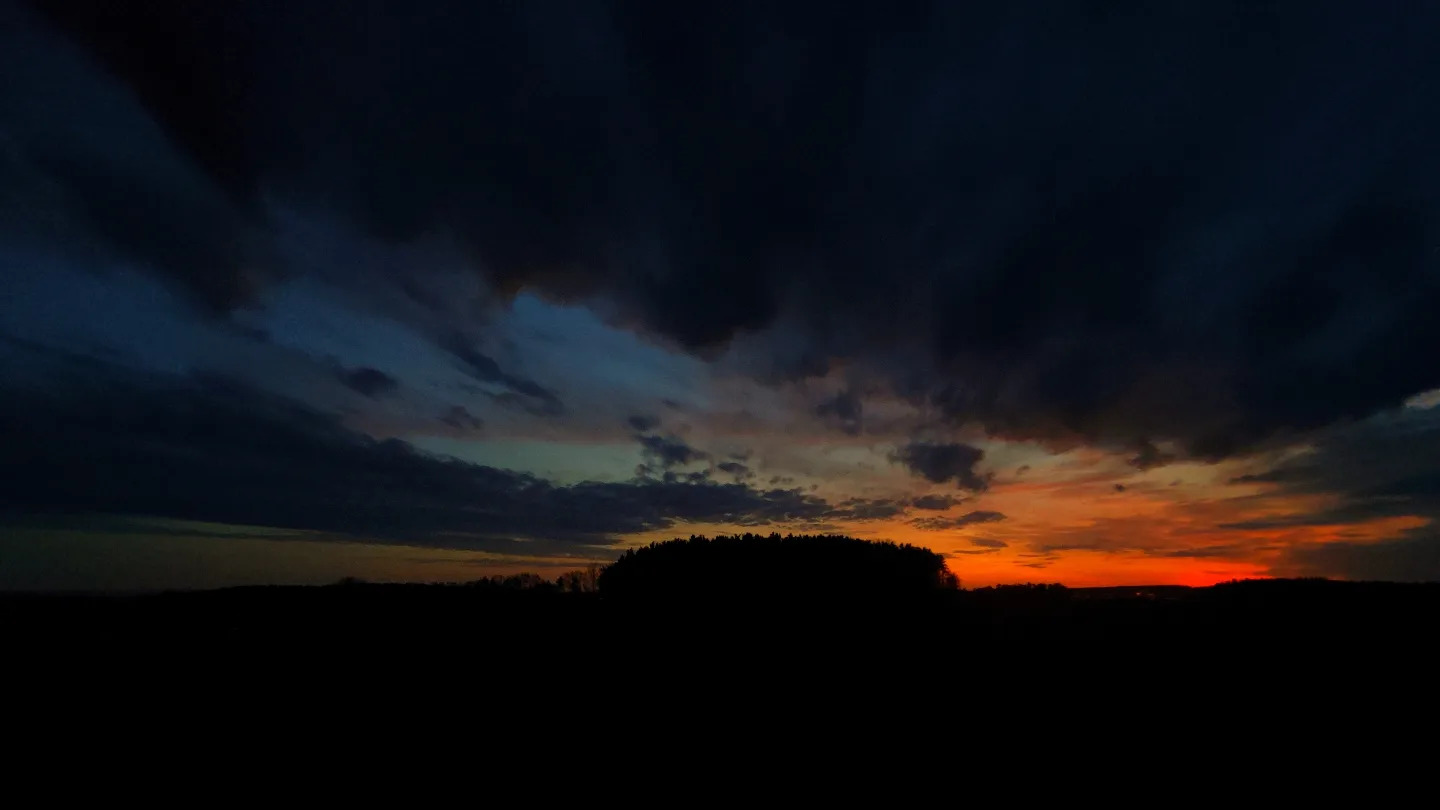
{"points": [[940, 463], [968, 519], [215, 451]]}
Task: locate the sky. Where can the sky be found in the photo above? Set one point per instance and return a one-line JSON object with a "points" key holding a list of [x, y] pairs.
{"points": [[1096, 293]]}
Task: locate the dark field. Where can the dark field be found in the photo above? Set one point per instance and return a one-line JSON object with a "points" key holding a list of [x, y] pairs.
{"points": [[1272, 618], [1017, 666]]}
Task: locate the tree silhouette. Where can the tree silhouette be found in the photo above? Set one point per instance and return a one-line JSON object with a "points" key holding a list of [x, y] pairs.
{"points": [[583, 581], [753, 567]]}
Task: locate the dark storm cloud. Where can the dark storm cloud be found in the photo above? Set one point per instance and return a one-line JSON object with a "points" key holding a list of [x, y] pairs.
{"points": [[527, 394], [1148, 457], [1328, 517], [85, 168], [867, 509], [669, 451], [643, 423], [967, 519], [845, 411], [1071, 221], [1385, 463], [736, 469], [1382, 467], [1414, 557], [939, 463], [460, 418], [212, 450], [936, 503], [370, 382], [1237, 551]]}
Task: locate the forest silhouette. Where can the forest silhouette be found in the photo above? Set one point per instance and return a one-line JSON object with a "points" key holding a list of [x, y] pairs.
{"points": [[772, 568], [749, 595]]}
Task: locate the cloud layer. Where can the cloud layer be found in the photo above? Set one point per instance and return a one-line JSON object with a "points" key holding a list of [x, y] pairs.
{"points": [[257, 255], [212, 450], [1208, 225], [941, 463]]}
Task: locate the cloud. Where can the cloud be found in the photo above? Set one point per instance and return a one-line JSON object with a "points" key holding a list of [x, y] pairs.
{"points": [[643, 423], [1148, 457], [1383, 464], [212, 450], [1414, 557], [370, 382], [866, 509], [736, 469], [939, 463], [87, 169], [937, 503], [461, 419], [844, 411], [526, 393], [1095, 228], [1378, 468], [985, 542], [1202, 552], [967, 519], [669, 451]]}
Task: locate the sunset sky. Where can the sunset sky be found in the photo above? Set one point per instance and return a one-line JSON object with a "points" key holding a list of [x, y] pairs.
{"points": [[1091, 293]]}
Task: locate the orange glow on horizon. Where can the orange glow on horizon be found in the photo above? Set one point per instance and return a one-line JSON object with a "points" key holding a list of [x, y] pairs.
{"points": [[1084, 532]]}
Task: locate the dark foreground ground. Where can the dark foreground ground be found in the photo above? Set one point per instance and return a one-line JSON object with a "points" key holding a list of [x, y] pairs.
{"points": [[1003, 693], [1040, 668], [542, 627]]}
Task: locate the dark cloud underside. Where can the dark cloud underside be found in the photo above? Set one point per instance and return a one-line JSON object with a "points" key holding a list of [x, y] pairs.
{"points": [[370, 382], [643, 423], [844, 410], [939, 463], [937, 503], [669, 451], [1382, 467], [212, 450], [967, 519], [1173, 231], [1210, 223]]}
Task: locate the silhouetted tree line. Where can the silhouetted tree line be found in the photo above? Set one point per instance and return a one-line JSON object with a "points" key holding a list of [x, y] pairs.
{"points": [[754, 567], [1048, 588], [751, 603], [581, 581], [515, 582]]}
